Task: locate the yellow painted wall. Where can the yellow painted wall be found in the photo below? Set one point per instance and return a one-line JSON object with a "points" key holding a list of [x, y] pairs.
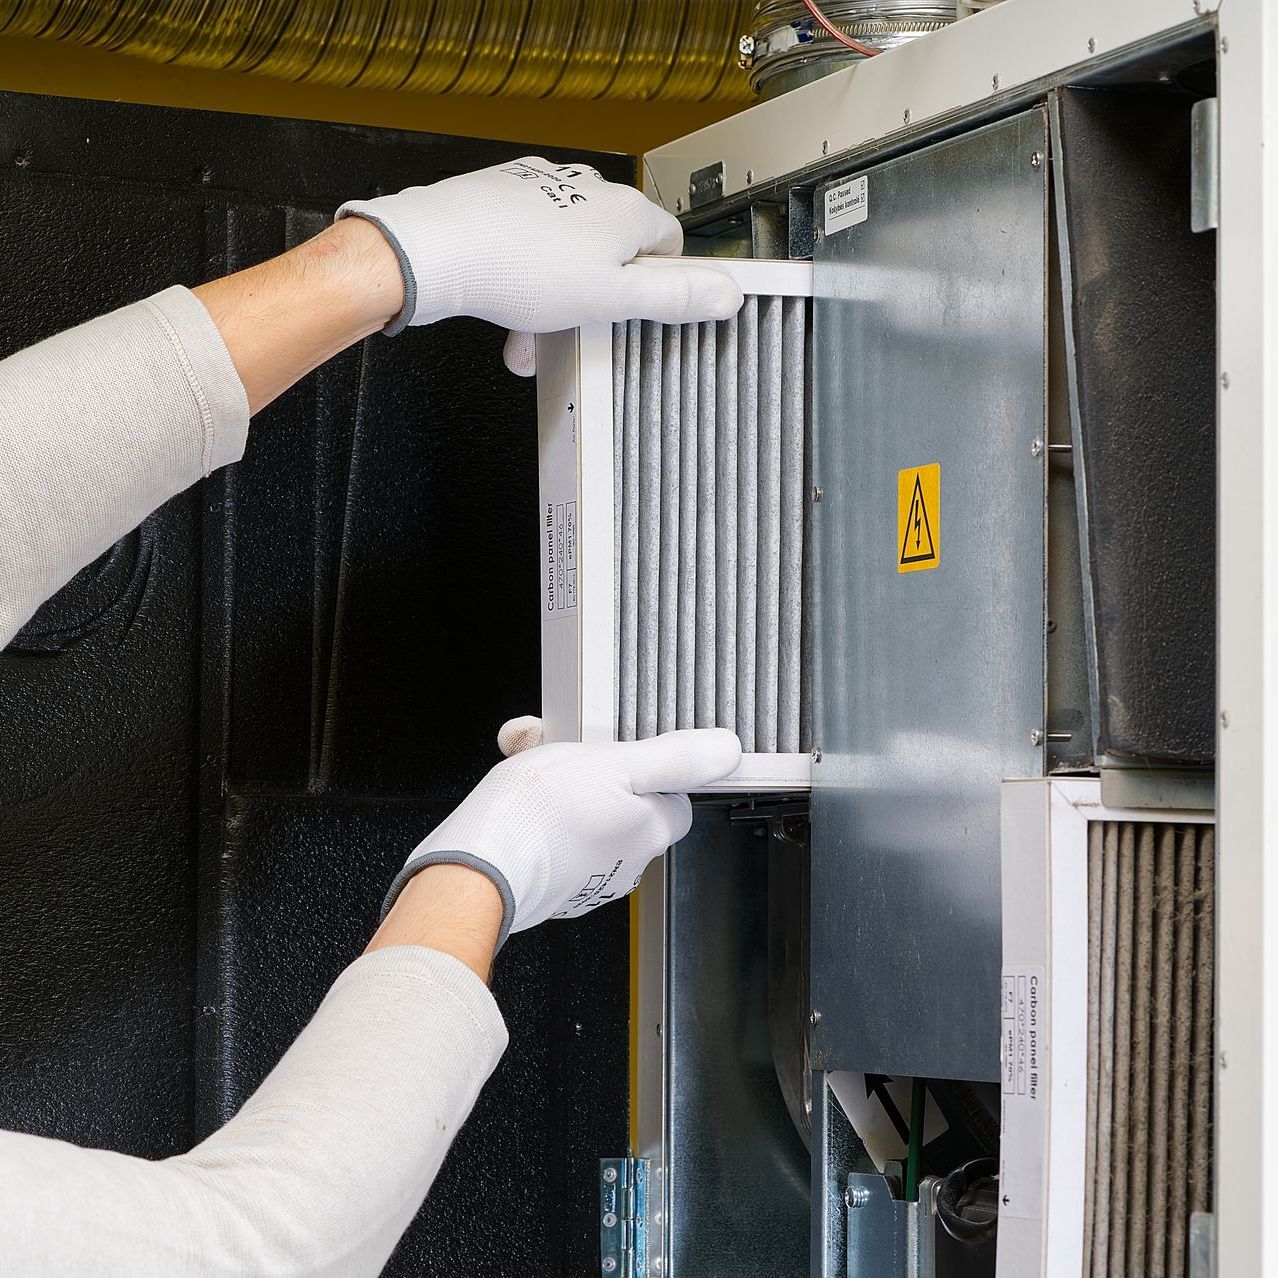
{"points": [[46, 66]]}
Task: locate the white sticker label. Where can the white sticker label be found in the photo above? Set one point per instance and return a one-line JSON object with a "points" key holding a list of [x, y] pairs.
{"points": [[847, 204], [1024, 1084], [559, 521]]}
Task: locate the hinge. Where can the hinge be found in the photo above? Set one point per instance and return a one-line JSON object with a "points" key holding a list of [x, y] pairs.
{"points": [[623, 1217]]}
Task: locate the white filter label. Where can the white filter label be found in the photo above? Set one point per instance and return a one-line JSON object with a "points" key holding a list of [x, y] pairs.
{"points": [[1024, 1086], [559, 555], [847, 204]]}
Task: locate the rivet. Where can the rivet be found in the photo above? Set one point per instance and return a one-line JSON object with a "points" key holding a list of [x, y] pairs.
{"points": [[1036, 160], [1036, 736], [825, 147], [818, 492], [1224, 44], [610, 1174], [1224, 718], [678, 204], [609, 1264], [1091, 44], [1224, 381], [905, 115], [749, 176], [610, 1219], [994, 82]]}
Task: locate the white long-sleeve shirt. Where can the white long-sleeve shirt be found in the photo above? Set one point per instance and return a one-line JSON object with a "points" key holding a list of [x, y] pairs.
{"points": [[327, 1163]]}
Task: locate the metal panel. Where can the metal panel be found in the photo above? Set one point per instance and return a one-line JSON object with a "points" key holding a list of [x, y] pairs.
{"points": [[930, 349], [736, 1170], [992, 63]]}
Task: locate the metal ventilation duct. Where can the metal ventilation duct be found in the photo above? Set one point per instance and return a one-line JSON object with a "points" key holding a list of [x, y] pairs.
{"points": [[788, 48], [710, 426], [673, 49]]}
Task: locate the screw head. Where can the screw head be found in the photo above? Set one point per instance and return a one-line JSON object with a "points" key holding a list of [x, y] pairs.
{"points": [[825, 147], [817, 492], [678, 204], [745, 46], [1224, 44], [814, 1018], [816, 758], [1036, 160], [1224, 381], [610, 1219], [994, 83], [610, 1174], [855, 1196], [1036, 736], [1036, 448], [609, 1264], [749, 176], [1091, 44], [905, 115], [816, 235]]}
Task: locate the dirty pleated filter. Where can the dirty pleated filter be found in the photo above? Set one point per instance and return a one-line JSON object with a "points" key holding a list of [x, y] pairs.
{"points": [[710, 432], [1151, 913]]}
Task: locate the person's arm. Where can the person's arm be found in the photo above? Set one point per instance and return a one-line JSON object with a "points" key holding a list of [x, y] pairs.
{"points": [[326, 1164], [104, 423]]}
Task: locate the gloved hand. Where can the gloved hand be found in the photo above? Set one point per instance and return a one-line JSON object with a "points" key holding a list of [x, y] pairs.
{"points": [[538, 247], [563, 828]]}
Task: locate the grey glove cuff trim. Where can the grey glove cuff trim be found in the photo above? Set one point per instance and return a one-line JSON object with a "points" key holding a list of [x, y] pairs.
{"points": [[485, 868], [401, 321]]}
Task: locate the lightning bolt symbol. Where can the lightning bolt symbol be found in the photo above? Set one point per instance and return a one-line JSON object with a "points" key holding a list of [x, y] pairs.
{"points": [[918, 536]]}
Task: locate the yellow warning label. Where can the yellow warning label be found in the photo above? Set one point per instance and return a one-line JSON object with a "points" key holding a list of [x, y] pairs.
{"points": [[918, 517]]}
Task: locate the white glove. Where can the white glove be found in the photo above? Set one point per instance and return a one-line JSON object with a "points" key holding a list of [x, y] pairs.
{"points": [[538, 247], [563, 828]]}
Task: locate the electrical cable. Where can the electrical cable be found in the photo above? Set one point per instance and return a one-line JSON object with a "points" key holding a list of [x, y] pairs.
{"points": [[835, 34], [914, 1151]]}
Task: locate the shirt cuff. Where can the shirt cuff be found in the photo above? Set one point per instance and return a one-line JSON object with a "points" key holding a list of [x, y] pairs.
{"points": [[210, 373]]}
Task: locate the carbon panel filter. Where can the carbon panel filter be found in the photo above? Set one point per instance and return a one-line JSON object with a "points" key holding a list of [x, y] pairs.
{"points": [[1151, 918], [675, 493], [710, 436]]}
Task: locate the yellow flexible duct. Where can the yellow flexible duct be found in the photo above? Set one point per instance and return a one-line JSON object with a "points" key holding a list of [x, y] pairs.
{"points": [[682, 50]]}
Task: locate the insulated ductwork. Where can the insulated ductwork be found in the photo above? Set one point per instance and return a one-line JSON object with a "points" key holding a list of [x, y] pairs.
{"points": [[677, 49], [789, 47]]}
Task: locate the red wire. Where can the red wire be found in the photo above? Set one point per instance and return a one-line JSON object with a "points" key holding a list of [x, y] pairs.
{"points": [[831, 30]]}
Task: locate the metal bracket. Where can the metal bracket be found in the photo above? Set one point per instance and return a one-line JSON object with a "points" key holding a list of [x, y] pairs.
{"points": [[705, 185], [1202, 1245], [623, 1217], [886, 1236], [1204, 161]]}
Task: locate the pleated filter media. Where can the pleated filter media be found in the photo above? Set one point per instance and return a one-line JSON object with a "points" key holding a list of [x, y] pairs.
{"points": [[1151, 927], [675, 511]]}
